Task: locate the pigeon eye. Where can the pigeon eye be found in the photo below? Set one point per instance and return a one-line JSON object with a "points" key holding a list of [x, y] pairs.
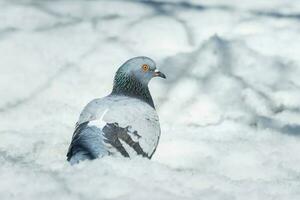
{"points": [[145, 67]]}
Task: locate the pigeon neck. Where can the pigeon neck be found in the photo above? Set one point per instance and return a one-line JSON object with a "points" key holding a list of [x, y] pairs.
{"points": [[130, 86]]}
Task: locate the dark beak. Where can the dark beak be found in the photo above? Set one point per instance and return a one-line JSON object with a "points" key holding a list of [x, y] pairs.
{"points": [[159, 74]]}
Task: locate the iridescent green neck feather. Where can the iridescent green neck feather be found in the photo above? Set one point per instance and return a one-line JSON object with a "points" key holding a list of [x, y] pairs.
{"points": [[127, 85]]}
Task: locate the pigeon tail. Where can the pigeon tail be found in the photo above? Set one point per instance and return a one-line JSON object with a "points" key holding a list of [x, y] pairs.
{"points": [[88, 144]]}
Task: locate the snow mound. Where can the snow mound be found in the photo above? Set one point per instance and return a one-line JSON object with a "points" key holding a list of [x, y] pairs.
{"points": [[229, 109]]}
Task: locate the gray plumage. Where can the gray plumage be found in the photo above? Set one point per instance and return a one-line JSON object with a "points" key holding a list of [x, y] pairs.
{"points": [[123, 123]]}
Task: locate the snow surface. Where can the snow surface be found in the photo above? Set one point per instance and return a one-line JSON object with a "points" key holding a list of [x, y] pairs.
{"points": [[229, 110]]}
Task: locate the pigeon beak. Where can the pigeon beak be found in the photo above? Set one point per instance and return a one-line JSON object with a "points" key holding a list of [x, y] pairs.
{"points": [[157, 73]]}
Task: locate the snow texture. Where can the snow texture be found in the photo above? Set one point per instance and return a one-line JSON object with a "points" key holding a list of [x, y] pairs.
{"points": [[229, 110]]}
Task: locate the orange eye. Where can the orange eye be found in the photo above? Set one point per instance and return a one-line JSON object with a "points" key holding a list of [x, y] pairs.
{"points": [[145, 67]]}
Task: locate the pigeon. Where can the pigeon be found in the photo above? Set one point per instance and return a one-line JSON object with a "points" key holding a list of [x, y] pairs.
{"points": [[124, 123]]}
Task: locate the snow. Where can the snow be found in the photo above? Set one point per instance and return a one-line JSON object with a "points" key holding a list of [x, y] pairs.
{"points": [[229, 109]]}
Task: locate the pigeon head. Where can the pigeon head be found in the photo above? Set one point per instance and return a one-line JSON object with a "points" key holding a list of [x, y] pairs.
{"points": [[133, 76], [142, 69]]}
